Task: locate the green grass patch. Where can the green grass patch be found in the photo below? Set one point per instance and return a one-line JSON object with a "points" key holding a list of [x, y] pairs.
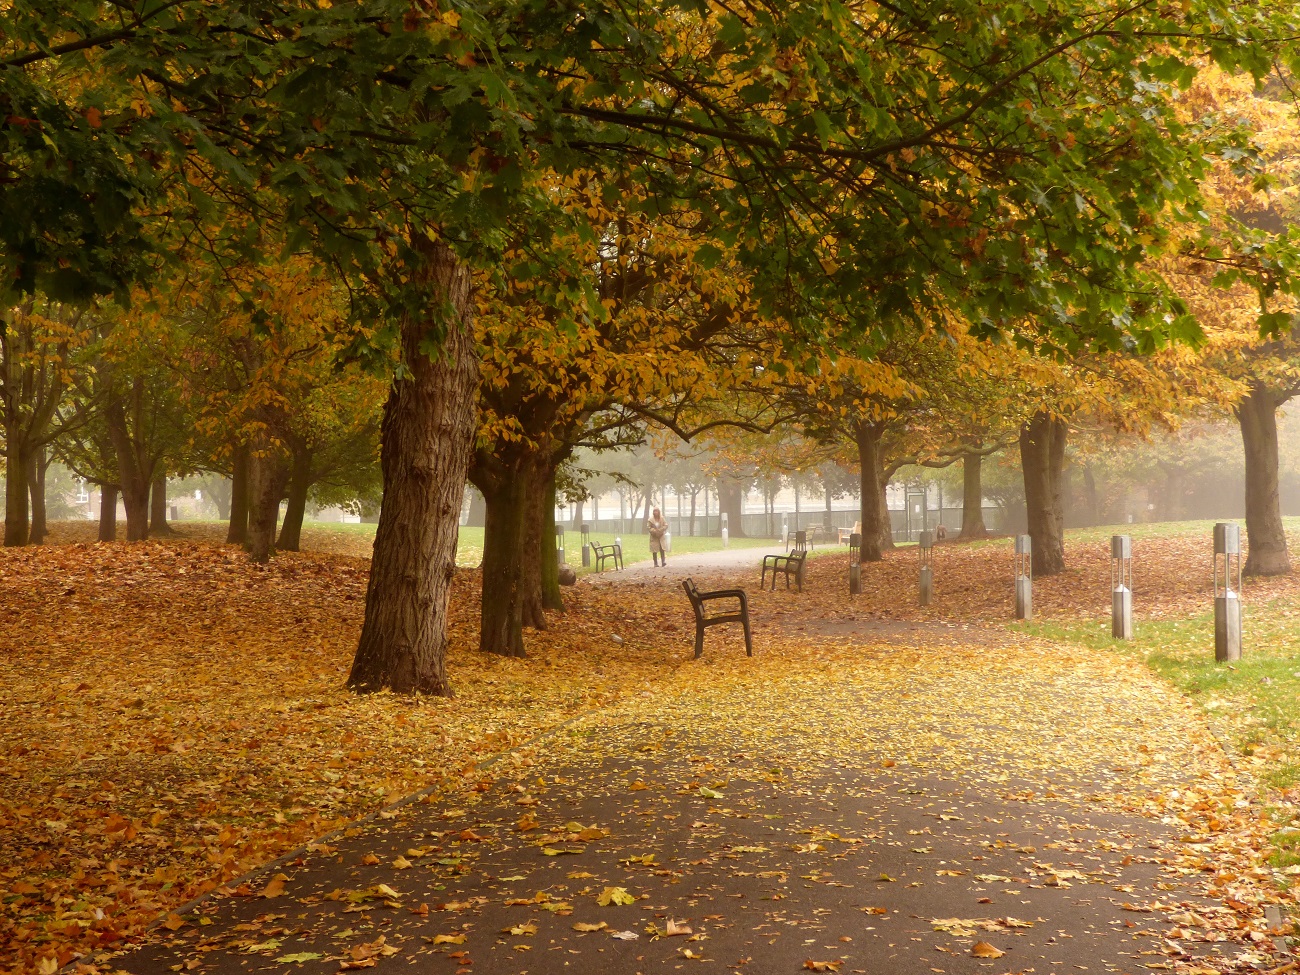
{"points": [[636, 548], [1254, 702]]}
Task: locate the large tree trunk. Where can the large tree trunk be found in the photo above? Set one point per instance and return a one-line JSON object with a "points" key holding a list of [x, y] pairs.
{"points": [[428, 432], [1090, 495], [158, 507], [972, 497], [237, 532], [731, 502], [299, 485], [550, 563], [877, 530], [265, 488], [36, 489], [16, 490], [133, 478], [505, 551], [536, 547], [1257, 415], [107, 513], [1042, 460]]}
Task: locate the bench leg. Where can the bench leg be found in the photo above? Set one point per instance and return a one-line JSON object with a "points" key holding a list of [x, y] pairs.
{"points": [[699, 640], [762, 579], [749, 642]]}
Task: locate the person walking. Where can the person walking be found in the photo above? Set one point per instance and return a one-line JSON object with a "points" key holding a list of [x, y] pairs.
{"points": [[657, 527]]}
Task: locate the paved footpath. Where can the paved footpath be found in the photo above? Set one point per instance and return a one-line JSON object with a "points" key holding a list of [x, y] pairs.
{"points": [[825, 807]]}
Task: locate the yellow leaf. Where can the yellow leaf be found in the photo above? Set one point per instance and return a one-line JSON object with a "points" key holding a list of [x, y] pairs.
{"points": [[584, 926], [614, 895], [449, 939], [982, 949]]}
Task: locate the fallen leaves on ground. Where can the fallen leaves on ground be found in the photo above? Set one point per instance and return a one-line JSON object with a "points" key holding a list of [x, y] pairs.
{"points": [[178, 717]]}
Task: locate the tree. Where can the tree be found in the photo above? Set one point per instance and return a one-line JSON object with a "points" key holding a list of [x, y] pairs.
{"points": [[405, 154], [1251, 194], [40, 344]]}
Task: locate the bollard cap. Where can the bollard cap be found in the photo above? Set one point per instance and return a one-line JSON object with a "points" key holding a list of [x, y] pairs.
{"points": [[1024, 545], [926, 539], [1121, 547], [1227, 538], [586, 528]]}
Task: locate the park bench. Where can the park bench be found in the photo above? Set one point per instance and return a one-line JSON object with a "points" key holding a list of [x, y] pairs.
{"points": [[822, 533], [787, 565], [741, 616], [612, 551]]}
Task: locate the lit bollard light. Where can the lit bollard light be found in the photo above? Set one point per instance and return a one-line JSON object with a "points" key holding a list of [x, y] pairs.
{"points": [[726, 535], [586, 546], [1227, 600], [559, 544], [1121, 587], [926, 550], [855, 564], [1024, 578]]}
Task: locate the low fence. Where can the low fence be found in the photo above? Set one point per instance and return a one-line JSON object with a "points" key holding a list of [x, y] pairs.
{"points": [[762, 525]]}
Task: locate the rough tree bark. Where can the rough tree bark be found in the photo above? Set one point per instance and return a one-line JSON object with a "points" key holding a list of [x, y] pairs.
{"points": [[266, 479], [237, 532], [1257, 416], [134, 475], [972, 497], [731, 502], [17, 460], [552, 598], [505, 542], [36, 489], [1042, 460], [531, 556], [877, 530], [158, 507], [108, 513], [290, 538], [427, 435]]}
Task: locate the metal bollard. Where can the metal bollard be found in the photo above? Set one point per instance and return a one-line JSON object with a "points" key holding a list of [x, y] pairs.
{"points": [[1024, 578], [1121, 587], [926, 549], [1227, 601]]}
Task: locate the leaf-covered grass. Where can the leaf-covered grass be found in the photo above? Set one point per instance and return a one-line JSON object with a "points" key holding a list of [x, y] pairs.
{"points": [[1254, 703]]}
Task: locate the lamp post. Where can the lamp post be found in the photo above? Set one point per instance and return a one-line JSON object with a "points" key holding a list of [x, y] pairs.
{"points": [[1121, 587], [925, 546], [1227, 600], [586, 545], [725, 534], [1024, 578], [559, 544], [855, 564]]}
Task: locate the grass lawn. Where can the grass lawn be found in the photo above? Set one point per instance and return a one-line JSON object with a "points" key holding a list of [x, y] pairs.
{"points": [[1254, 703], [333, 536], [636, 548]]}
